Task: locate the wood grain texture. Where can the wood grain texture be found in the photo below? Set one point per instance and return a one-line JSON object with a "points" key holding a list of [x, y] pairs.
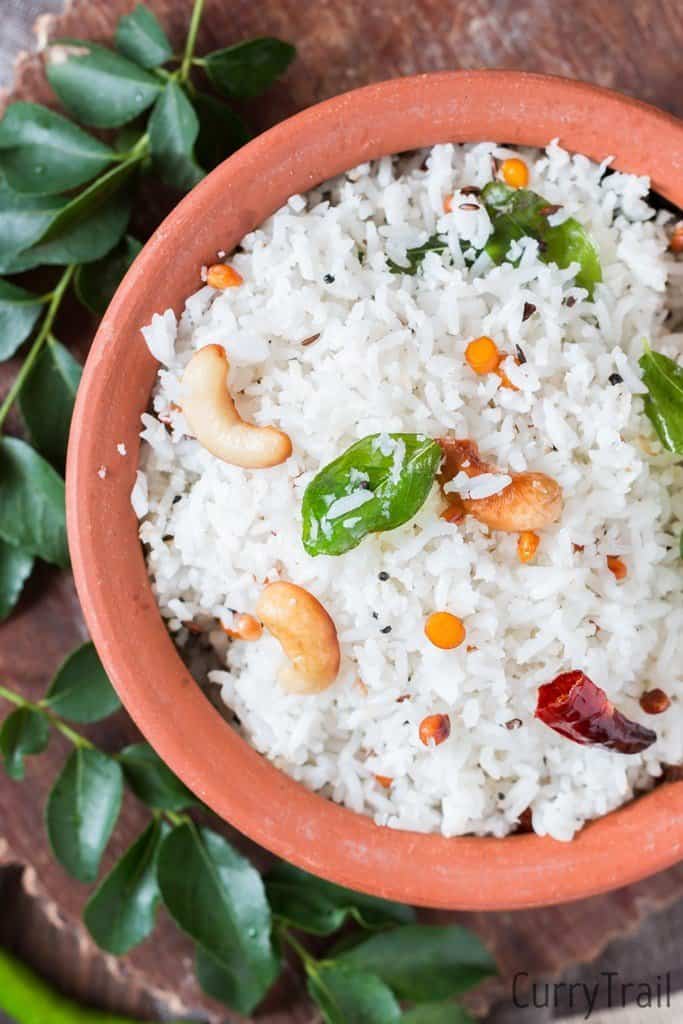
{"points": [[634, 47]]}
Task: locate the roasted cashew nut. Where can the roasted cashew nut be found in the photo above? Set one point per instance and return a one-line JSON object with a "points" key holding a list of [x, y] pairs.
{"points": [[307, 634], [211, 414], [244, 627], [530, 501]]}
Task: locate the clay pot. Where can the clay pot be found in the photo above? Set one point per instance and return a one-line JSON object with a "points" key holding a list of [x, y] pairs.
{"points": [[168, 706]]}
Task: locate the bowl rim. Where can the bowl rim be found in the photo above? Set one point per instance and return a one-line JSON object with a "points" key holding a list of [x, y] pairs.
{"points": [[638, 839]]}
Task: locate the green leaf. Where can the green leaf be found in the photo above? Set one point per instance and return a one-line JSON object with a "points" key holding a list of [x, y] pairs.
{"points": [[99, 87], [37, 230], [519, 213], [247, 69], [423, 963], [43, 153], [388, 475], [23, 219], [95, 283], [121, 913], [19, 311], [15, 569], [32, 515], [352, 997], [663, 379], [23, 732], [151, 781], [173, 129], [47, 400], [128, 137], [437, 1013], [228, 985], [221, 130], [87, 203], [140, 37], [82, 810], [88, 227], [90, 239], [81, 691], [313, 905], [415, 256], [217, 897], [83, 230]]}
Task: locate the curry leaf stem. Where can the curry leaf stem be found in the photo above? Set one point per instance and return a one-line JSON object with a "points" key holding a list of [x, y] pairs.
{"points": [[309, 961], [42, 709], [191, 39], [39, 341]]}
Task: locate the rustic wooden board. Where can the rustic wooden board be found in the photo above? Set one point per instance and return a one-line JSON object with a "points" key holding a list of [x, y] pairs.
{"points": [[634, 47]]}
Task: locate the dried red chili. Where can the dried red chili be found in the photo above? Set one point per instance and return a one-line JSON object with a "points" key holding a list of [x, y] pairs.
{"points": [[579, 710]]}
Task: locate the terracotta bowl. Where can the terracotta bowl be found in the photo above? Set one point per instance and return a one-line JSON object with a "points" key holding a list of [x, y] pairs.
{"points": [[241, 786]]}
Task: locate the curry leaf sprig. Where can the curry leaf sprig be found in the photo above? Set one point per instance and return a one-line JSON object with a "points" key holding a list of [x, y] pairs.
{"points": [[241, 924], [66, 200]]}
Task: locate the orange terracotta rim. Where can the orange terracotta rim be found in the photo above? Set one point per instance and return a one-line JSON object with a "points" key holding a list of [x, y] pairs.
{"points": [[641, 838]]}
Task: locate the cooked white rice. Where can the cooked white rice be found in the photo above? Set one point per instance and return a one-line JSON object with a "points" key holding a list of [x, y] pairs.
{"points": [[390, 357]]}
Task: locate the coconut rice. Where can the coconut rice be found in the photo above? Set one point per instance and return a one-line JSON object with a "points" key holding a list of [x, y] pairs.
{"points": [[330, 346]]}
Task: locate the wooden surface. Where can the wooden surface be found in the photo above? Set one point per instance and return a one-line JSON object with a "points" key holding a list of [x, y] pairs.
{"points": [[631, 45]]}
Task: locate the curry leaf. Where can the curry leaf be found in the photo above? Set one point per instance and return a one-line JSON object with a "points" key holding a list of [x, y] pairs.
{"points": [[82, 810], [23, 732], [663, 378], [140, 37], [173, 129], [88, 227], [423, 963], [47, 400], [99, 87], [313, 905], [151, 781], [19, 311], [129, 137], [23, 219], [32, 513], [519, 213], [348, 996], [79, 233], [15, 569], [378, 483], [89, 201], [90, 239], [95, 283], [121, 913], [221, 130], [231, 985], [217, 897], [43, 153], [247, 69], [81, 691], [416, 255]]}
